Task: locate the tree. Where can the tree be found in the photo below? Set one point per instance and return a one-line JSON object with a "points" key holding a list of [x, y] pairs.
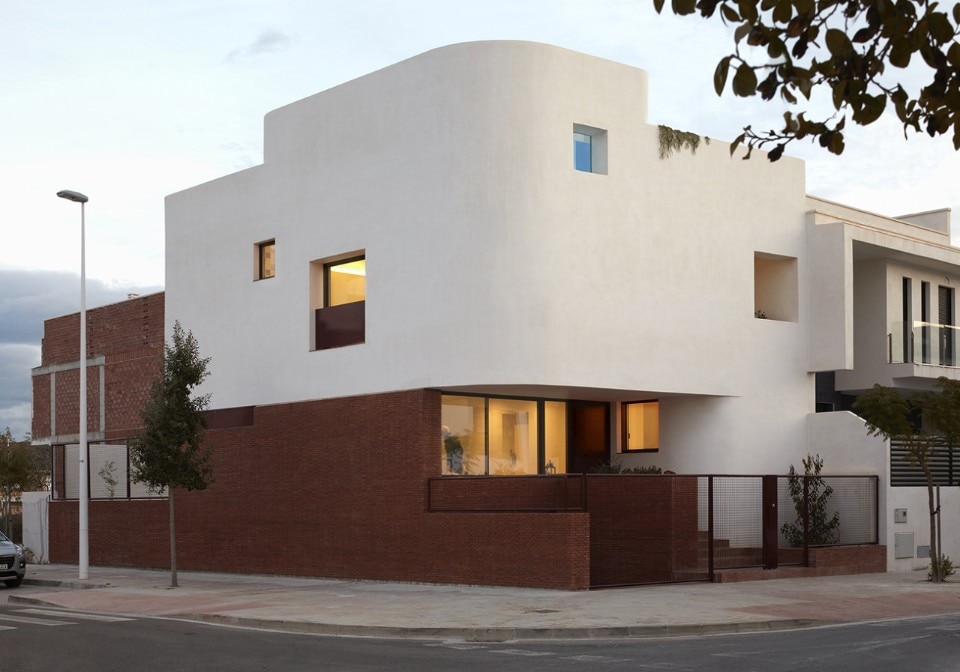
{"points": [[170, 452], [891, 415], [846, 47], [22, 468], [821, 530]]}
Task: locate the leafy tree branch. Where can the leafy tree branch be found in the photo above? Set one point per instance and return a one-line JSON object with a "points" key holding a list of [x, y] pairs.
{"points": [[787, 48]]}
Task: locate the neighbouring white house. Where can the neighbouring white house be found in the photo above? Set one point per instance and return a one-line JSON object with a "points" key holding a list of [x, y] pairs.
{"points": [[496, 227]]}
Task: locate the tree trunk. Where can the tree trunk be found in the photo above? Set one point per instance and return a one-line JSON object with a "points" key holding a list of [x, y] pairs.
{"points": [[934, 551], [173, 543]]}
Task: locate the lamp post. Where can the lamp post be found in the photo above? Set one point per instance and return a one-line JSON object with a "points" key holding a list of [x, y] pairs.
{"points": [[84, 550]]}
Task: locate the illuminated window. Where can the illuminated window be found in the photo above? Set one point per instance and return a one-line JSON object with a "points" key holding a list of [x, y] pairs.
{"points": [[266, 260], [340, 318], [641, 426], [502, 437], [589, 149], [346, 282]]}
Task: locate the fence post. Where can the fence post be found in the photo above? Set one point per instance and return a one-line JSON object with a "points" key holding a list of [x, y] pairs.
{"points": [[806, 521], [710, 527], [771, 539]]}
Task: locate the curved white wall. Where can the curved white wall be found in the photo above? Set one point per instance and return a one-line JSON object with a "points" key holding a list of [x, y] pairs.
{"points": [[492, 262]]}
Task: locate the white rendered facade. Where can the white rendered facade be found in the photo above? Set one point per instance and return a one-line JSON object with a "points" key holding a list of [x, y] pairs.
{"points": [[494, 267]]}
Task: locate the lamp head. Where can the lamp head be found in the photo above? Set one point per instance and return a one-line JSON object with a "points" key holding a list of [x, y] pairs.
{"points": [[74, 196]]}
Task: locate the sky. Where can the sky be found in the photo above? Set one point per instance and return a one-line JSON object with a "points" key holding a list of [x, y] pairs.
{"points": [[128, 101]]}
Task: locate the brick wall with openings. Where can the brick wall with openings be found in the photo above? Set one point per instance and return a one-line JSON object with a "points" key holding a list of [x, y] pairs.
{"points": [[334, 488], [129, 337]]}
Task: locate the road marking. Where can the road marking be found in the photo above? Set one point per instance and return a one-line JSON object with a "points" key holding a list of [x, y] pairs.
{"points": [[459, 646], [597, 659], [33, 621], [521, 652], [6, 627], [75, 615]]}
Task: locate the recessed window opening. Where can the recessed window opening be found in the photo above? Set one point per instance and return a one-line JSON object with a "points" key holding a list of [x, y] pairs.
{"points": [[589, 149], [266, 263], [338, 294], [775, 290]]}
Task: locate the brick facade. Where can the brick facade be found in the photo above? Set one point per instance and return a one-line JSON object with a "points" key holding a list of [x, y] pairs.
{"points": [[125, 342], [334, 488]]}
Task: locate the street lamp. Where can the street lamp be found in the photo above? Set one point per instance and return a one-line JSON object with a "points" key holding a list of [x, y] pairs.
{"points": [[84, 551]]}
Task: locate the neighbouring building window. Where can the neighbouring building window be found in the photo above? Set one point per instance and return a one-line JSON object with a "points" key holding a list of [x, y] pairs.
{"points": [[266, 265], [500, 437], [641, 426], [341, 318], [589, 149]]}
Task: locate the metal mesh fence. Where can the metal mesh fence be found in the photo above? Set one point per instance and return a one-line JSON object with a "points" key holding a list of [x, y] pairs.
{"points": [[110, 475]]}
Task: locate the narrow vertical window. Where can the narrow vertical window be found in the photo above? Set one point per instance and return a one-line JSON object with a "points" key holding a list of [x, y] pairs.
{"points": [[582, 155], [266, 260]]}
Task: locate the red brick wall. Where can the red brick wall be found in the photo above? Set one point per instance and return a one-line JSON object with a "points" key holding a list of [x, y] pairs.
{"points": [[334, 488], [643, 529], [129, 336]]}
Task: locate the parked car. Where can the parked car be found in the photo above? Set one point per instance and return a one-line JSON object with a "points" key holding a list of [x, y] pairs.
{"points": [[13, 562]]}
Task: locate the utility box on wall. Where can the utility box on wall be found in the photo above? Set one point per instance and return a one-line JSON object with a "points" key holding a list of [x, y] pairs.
{"points": [[903, 545], [899, 515]]}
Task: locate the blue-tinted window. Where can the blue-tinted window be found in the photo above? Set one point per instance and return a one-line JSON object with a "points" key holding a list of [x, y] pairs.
{"points": [[582, 152]]}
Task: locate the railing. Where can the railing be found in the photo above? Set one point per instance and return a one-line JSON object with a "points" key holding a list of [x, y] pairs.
{"points": [[337, 326], [923, 343]]}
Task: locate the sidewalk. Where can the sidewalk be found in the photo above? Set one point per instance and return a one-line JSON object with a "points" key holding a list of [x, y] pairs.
{"points": [[335, 607]]}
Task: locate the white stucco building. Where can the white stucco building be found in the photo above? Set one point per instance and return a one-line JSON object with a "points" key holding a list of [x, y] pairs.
{"points": [[519, 241]]}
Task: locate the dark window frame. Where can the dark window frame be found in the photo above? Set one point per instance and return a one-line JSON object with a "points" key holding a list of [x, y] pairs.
{"points": [[261, 259]]}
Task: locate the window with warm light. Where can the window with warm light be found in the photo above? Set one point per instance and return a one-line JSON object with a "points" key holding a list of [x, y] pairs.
{"points": [[266, 260], [340, 317], [641, 426], [497, 436], [346, 282]]}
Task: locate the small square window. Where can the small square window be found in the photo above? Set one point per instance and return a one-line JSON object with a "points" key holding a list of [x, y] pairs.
{"points": [[641, 426], [266, 260], [589, 149]]}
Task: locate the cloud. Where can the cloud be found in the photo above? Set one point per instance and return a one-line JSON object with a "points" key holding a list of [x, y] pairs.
{"points": [[269, 41], [27, 298]]}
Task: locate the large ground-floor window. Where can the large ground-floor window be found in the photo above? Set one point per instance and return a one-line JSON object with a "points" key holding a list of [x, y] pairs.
{"points": [[502, 436]]}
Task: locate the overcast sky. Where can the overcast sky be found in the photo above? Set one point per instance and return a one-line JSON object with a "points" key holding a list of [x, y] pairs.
{"points": [[128, 101]]}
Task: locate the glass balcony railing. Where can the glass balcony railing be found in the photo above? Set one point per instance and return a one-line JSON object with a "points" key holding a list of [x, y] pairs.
{"points": [[923, 343]]}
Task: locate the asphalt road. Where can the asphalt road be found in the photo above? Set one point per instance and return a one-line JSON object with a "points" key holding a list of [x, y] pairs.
{"points": [[49, 640]]}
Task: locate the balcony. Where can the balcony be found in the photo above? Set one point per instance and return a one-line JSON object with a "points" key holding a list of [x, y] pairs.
{"points": [[923, 343]]}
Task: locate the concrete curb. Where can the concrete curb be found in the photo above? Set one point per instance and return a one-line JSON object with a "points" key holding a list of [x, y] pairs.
{"points": [[472, 634], [74, 584]]}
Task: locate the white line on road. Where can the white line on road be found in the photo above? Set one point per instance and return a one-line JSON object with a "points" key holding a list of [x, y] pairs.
{"points": [[71, 614], [33, 621]]}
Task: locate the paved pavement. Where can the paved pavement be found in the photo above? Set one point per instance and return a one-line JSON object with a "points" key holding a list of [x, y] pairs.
{"points": [[363, 608]]}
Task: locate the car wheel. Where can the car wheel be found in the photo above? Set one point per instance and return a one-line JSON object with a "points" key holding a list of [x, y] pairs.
{"points": [[13, 583]]}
